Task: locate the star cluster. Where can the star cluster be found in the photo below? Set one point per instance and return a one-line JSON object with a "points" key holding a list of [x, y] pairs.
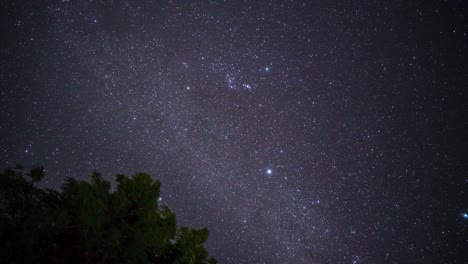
{"points": [[296, 131]]}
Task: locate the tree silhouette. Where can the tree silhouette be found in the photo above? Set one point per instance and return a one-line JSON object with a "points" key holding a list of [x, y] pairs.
{"points": [[86, 222]]}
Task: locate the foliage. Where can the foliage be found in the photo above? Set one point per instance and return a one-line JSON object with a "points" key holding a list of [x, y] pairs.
{"points": [[86, 222]]}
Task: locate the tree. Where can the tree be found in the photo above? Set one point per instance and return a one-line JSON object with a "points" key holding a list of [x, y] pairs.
{"points": [[86, 222]]}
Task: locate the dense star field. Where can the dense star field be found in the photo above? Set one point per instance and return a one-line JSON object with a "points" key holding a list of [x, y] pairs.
{"points": [[296, 131]]}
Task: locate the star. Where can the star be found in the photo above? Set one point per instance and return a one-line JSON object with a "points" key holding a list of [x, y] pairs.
{"points": [[269, 171], [465, 215], [247, 86]]}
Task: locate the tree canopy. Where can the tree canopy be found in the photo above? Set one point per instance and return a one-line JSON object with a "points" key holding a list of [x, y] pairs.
{"points": [[88, 222]]}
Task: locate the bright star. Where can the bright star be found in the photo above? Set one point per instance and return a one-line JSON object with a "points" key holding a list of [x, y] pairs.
{"points": [[267, 68], [269, 171], [247, 86], [465, 215]]}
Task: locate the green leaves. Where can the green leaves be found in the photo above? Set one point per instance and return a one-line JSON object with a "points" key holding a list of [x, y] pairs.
{"points": [[189, 245], [87, 222]]}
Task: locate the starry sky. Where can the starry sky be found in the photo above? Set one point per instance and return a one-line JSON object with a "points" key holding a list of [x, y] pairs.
{"points": [[296, 131]]}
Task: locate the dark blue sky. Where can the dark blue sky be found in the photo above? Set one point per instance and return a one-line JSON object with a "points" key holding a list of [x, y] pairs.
{"points": [[296, 131]]}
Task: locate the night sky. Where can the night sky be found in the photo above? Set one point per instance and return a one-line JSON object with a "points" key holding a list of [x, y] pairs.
{"points": [[296, 131]]}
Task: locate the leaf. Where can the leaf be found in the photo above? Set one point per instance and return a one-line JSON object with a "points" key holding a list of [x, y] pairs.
{"points": [[37, 173]]}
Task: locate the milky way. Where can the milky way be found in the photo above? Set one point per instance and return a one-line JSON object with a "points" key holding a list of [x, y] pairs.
{"points": [[296, 131]]}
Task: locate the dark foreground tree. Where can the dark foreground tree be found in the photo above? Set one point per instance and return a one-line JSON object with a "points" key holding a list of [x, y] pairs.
{"points": [[86, 222]]}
